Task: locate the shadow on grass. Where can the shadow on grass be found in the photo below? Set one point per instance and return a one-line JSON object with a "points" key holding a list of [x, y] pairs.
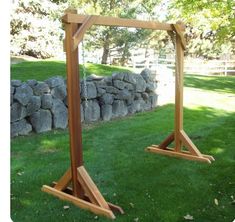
{"points": [[149, 187], [214, 83]]}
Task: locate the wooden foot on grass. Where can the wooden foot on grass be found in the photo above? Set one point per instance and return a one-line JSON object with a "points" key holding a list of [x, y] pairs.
{"points": [[192, 154], [92, 200]]}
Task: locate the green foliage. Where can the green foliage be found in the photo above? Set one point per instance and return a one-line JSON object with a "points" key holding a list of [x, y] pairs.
{"points": [[35, 28], [148, 187], [120, 40], [210, 25]]}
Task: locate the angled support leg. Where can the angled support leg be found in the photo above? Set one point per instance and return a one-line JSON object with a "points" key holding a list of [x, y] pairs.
{"points": [[64, 180], [93, 199], [167, 141]]}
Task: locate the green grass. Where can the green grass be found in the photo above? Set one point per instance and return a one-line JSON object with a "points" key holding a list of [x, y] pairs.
{"points": [[149, 187], [42, 70], [215, 83]]}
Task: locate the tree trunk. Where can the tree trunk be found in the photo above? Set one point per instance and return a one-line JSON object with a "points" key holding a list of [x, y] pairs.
{"points": [[105, 52], [125, 54]]}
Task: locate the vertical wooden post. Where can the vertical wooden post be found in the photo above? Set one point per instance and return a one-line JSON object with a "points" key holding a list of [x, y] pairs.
{"points": [[179, 76], [73, 89]]}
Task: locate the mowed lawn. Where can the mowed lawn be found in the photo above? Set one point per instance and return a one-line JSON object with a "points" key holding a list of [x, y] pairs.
{"points": [[149, 187], [44, 69]]}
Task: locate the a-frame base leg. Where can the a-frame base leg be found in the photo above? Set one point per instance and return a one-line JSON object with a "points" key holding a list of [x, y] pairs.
{"points": [[93, 200], [192, 154]]}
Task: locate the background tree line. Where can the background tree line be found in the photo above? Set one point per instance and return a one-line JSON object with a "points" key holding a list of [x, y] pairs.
{"points": [[36, 29]]}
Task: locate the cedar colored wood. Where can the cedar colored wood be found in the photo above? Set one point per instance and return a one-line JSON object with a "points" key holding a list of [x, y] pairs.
{"points": [[84, 193]]}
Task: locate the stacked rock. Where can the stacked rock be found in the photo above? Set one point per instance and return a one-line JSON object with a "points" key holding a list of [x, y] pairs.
{"points": [[42, 106], [38, 106]]}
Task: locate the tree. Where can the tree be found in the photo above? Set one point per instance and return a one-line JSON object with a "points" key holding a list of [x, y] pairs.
{"points": [[35, 28], [106, 37], [210, 25], [109, 38]]}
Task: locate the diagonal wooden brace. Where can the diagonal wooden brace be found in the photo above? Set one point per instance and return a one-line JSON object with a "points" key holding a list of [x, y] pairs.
{"points": [[177, 28], [93, 199], [167, 141], [64, 180], [91, 189], [86, 24]]}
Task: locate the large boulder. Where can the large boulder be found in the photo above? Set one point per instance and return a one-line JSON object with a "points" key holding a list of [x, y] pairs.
{"points": [[60, 114], [130, 78], [94, 77], [119, 108], [108, 80], [111, 89], [129, 86], [118, 75], [23, 94], [12, 90], [130, 99], [41, 88], [142, 105], [106, 112], [32, 82], [123, 95], [151, 87], [137, 106], [134, 107], [147, 105], [145, 96], [18, 112], [91, 110], [100, 84], [100, 92], [55, 81], [137, 96], [21, 127], [15, 82], [59, 92], [119, 84], [153, 98], [107, 98], [140, 83], [90, 92], [11, 99], [41, 121], [147, 75], [82, 113], [47, 101], [33, 105], [12, 94]]}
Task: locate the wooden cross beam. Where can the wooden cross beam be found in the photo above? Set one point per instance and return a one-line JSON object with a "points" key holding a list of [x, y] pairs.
{"points": [[84, 193]]}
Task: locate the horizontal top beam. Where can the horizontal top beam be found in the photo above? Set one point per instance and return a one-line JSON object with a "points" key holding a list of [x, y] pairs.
{"points": [[121, 22]]}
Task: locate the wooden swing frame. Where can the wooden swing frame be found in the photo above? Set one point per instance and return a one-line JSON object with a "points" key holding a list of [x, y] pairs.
{"points": [[84, 192]]}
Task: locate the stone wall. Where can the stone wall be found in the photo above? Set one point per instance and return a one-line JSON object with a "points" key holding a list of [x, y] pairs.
{"points": [[42, 106]]}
